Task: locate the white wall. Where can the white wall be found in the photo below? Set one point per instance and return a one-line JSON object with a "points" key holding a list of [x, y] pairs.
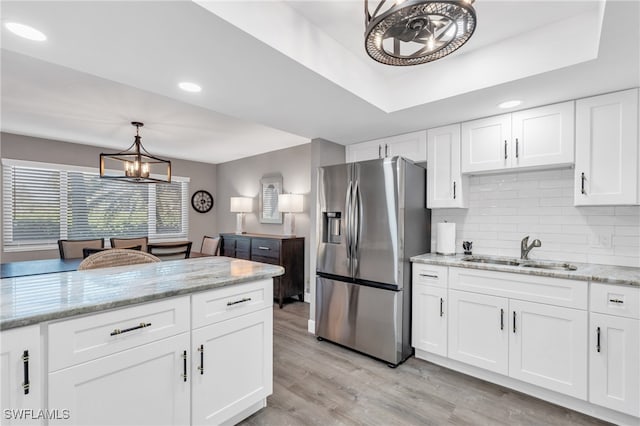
{"points": [[503, 208]]}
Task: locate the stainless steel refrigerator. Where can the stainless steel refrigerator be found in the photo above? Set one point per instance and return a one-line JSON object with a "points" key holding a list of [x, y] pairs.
{"points": [[372, 218]]}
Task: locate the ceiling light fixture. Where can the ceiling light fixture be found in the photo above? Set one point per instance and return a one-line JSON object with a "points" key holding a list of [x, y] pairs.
{"points": [[137, 165], [25, 31], [413, 32], [510, 104], [190, 87]]}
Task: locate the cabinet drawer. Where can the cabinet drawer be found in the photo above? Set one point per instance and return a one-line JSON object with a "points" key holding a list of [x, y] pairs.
{"points": [[243, 244], [229, 302], [615, 300], [433, 275], [552, 291], [265, 248], [265, 259], [82, 339]]}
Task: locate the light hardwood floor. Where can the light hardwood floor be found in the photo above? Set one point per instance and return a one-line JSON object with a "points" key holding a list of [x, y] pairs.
{"points": [[319, 383]]}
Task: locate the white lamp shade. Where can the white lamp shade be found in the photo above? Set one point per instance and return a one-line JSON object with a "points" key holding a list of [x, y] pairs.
{"points": [[290, 203], [241, 205]]}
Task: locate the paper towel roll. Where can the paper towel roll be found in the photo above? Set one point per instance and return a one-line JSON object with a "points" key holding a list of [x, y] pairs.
{"points": [[446, 238]]}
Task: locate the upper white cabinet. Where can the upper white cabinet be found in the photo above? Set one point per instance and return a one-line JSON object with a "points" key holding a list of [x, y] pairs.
{"points": [[607, 149], [410, 145], [21, 366], [533, 138], [446, 185]]}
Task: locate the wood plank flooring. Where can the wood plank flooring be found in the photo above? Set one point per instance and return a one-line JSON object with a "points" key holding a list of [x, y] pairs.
{"points": [[319, 383]]}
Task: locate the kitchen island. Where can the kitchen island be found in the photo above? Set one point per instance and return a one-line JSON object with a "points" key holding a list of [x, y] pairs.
{"points": [[178, 342]]}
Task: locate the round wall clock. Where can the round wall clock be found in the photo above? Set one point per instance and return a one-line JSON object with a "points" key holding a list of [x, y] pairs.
{"points": [[202, 201]]}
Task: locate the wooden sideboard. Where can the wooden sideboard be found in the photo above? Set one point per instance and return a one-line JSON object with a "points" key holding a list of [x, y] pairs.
{"points": [[282, 250]]}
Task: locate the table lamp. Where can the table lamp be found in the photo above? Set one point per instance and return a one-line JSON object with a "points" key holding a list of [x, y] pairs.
{"points": [[289, 204], [241, 205]]}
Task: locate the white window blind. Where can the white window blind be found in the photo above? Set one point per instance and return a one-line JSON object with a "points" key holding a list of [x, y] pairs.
{"points": [[46, 202]]}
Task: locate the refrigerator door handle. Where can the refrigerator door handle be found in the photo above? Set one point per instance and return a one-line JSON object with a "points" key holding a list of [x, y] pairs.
{"points": [[348, 208], [357, 231]]}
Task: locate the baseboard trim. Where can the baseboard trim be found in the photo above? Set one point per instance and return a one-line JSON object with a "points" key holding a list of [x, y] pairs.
{"points": [[529, 389], [311, 326]]}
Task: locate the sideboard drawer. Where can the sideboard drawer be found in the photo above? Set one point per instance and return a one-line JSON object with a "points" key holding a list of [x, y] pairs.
{"points": [[262, 247], [618, 300], [433, 275], [228, 302], [85, 338]]}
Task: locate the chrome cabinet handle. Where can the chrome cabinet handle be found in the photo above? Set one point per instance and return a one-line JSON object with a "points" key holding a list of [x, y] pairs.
{"points": [[454, 189], [514, 321], [516, 147], [501, 319], [429, 276], [246, 299], [616, 301], [25, 362], [598, 339], [201, 368], [386, 150], [379, 151], [582, 183], [117, 331], [441, 307], [184, 366], [505, 149], [263, 248]]}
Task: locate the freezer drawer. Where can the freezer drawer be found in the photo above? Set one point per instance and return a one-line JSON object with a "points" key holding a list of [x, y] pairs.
{"points": [[367, 319]]}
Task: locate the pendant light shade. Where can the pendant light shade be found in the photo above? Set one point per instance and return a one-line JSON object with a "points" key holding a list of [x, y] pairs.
{"points": [[137, 165], [412, 32]]}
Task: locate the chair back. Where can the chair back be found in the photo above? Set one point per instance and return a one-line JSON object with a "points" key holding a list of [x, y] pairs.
{"points": [[170, 251], [86, 252], [130, 242], [116, 257], [210, 246], [72, 249]]}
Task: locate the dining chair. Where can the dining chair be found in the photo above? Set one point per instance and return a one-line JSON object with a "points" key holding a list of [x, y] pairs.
{"points": [[86, 252], [170, 251], [210, 246], [116, 257], [129, 242], [72, 249]]}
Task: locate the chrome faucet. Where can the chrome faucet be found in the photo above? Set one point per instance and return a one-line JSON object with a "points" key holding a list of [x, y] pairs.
{"points": [[525, 248]]}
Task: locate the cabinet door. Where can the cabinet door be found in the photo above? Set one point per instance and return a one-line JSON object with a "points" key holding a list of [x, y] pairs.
{"points": [[543, 136], [233, 368], [607, 149], [139, 386], [485, 144], [614, 368], [365, 151], [16, 372], [478, 332], [429, 324], [447, 186], [546, 347], [410, 145]]}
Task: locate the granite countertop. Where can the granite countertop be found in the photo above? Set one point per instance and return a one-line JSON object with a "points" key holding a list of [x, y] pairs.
{"points": [[610, 274], [33, 299]]}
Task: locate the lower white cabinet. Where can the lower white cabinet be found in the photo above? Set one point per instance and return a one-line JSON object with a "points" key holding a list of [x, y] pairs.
{"points": [[430, 313], [547, 347], [21, 367], [477, 330], [146, 385]]}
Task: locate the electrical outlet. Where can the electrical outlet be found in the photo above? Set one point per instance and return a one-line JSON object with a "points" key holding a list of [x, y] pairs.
{"points": [[601, 240]]}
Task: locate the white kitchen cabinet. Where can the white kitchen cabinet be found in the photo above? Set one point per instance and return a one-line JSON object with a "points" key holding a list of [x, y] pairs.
{"points": [[478, 332], [139, 386], [614, 345], [534, 138], [238, 354], [447, 187], [429, 322], [607, 161], [409, 145], [546, 347], [21, 367]]}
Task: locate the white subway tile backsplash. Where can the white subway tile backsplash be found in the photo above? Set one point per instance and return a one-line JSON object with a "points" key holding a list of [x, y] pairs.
{"points": [[503, 208]]}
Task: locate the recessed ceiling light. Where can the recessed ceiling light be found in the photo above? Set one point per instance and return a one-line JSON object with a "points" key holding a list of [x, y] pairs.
{"points": [[510, 104], [25, 31], [189, 87]]}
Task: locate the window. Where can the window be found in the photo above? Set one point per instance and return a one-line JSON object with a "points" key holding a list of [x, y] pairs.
{"points": [[46, 202]]}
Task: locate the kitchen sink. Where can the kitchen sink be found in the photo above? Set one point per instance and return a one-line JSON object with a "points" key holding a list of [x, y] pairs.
{"points": [[558, 266]]}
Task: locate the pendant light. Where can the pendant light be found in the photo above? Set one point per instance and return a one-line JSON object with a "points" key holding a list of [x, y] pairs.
{"points": [[137, 165], [412, 32]]}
